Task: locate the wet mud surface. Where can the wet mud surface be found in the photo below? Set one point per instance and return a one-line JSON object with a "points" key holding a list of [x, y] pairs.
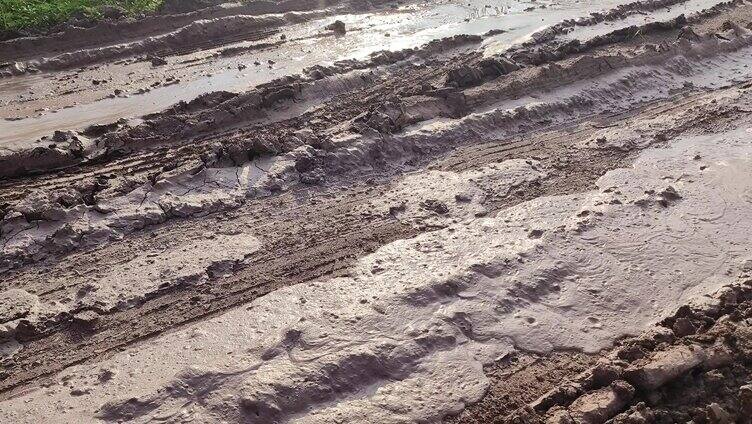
{"points": [[380, 212]]}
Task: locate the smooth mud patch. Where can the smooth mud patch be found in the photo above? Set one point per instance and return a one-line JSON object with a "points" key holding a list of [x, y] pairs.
{"points": [[187, 262], [125, 284]]}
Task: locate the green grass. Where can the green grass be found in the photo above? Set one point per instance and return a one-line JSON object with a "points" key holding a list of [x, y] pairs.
{"points": [[19, 15]]}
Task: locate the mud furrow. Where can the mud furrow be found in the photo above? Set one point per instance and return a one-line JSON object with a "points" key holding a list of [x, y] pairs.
{"points": [[324, 253], [164, 312]]}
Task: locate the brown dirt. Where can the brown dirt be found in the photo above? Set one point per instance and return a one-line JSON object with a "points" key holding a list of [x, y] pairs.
{"points": [[307, 234], [315, 232], [520, 379], [715, 390]]}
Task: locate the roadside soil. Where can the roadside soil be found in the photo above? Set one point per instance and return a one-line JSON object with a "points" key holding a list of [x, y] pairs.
{"points": [[345, 151]]}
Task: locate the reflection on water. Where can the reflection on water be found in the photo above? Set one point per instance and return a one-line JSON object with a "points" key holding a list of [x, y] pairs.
{"points": [[396, 29]]}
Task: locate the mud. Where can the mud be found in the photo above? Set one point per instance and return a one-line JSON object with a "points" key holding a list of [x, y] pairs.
{"points": [[554, 232], [664, 375], [391, 29], [309, 155], [465, 293], [116, 32], [186, 37]]}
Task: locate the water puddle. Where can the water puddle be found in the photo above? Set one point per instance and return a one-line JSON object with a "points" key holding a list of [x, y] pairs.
{"points": [[687, 8], [405, 27]]}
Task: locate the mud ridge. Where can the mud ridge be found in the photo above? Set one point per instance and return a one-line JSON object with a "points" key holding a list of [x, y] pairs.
{"points": [[389, 133], [542, 53], [213, 111], [463, 77], [618, 13], [539, 255]]}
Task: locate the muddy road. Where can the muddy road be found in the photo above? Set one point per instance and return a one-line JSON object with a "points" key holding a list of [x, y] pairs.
{"points": [[368, 211]]}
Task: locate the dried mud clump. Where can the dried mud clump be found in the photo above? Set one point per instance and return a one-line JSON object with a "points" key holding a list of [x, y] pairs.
{"points": [[695, 366], [487, 69], [338, 27]]}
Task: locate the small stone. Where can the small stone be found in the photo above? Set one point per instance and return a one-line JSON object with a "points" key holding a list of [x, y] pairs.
{"points": [[86, 318], [80, 391], [62, 136], [718, 415], [559, 416], [535, 234], [462, 198], [338, 27], [599, 406], [600, 375], [745, 399], [683, 327], [560, 395], [106, 375], [638, 414], [665, 366], [5, 332], [156, 61], [436, 206], [714, 378], [15, 304]]}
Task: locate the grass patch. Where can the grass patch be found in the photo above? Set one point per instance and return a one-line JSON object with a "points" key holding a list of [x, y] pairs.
{"points": [[37, 15]]}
